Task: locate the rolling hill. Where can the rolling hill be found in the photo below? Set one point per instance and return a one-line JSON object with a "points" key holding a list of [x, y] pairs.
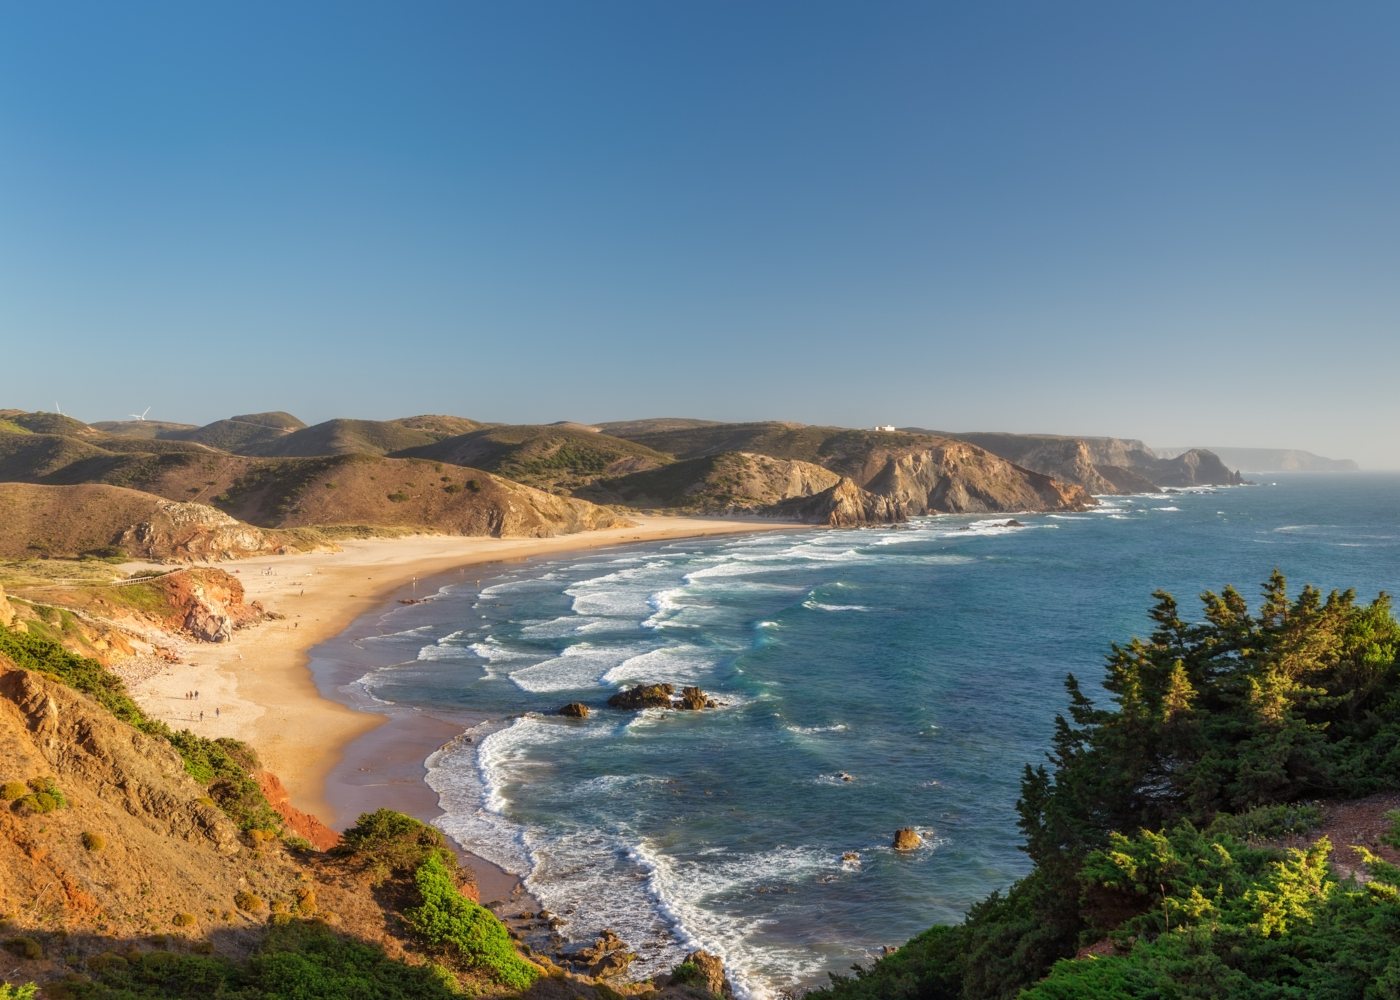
{"points": [[555, 457]]}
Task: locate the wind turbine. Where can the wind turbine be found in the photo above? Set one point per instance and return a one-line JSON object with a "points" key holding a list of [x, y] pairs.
{"points": [[141, 415]]}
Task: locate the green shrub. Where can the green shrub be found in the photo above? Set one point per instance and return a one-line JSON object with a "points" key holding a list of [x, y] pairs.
{"points": [[391, 842], [398, 496], [104, 962], [25, 947], [26, 992], [183, 920], [12, 790], [447, 919], [93, 841], [248, 903], [44, 797], [1268, 822]]}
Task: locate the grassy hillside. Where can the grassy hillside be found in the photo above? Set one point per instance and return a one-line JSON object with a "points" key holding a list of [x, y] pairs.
{"points": [[46, 423], [837, 448], [552, 457], [99, 520], [412, 493], [241, 432], [147, 429], [1175, 833], [363, 437], [651, 425], [355, 489]]}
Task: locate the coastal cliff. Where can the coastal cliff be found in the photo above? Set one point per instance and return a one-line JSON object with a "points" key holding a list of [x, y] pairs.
{"points": [[750, 483], [1105, 465], [920, 473]]}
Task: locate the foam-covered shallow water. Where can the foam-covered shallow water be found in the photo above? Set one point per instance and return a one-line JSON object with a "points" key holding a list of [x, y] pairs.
{"points": [[870, 680]]}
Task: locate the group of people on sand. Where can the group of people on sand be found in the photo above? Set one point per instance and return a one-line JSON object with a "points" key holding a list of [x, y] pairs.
{"points": [[194, 696]]}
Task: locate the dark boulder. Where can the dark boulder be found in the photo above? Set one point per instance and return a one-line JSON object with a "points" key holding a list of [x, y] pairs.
{"points": [[643, 696], [906, 839], [693, 699], [574, 710]]}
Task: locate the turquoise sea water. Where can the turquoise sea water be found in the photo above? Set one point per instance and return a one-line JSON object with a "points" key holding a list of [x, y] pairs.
{"points": [[925, 661]]}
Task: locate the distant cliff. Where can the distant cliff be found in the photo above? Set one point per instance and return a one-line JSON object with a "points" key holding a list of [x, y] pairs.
{"points": [[1105, 465], [1275, 460]]}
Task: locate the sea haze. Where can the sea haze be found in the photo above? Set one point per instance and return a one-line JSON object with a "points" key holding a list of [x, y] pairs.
{"points": [[926, 662]]}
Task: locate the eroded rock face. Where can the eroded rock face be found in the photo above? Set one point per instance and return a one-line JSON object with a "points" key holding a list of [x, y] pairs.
{"points": [[208, 620], [145, 775], [844, 505], [606, 958], [193, 531], [7, 611], [959, 478], [711, 975]]}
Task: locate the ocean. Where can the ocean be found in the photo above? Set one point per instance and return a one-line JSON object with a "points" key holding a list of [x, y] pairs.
{"points": [[871, 679]]}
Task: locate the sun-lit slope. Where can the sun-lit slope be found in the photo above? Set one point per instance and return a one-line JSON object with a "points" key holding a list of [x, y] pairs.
{"points": [[557, 457], [141, 428], [69, 521], [921, 473], [236, 433], [363, 437], [407, 493]]}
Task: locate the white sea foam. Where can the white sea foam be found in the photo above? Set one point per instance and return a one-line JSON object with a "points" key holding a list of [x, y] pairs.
{"points": [[556, 628], [581, 665], [445, 648], [464, 795], [1166, 508], [838, 727], [667, 665], [812, 604], [664, 603], [681, 889]]}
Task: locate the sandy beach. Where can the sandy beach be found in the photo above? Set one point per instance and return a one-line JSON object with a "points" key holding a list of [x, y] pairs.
{"points": [[257, 687]]}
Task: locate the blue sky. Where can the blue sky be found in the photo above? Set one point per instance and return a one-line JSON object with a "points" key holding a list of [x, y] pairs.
{"points": [[1173, 221]]}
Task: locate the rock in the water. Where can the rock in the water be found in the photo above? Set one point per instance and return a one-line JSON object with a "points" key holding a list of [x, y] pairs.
{"points": [[606, 958], [694, 699], [643, 696], [850, 857], [906, 839], [574, 710]]}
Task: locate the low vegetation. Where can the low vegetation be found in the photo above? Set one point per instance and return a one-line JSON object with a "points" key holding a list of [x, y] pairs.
{"points": [[469, 932], [297, 958], [224, 766], [37, 795], [1150, 826]]}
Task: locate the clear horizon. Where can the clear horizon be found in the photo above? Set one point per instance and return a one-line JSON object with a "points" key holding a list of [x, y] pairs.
{"points": [[1165, 223]]}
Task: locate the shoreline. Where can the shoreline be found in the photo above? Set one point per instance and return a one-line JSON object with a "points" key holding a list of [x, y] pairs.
{"points": [[258, 687]]}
